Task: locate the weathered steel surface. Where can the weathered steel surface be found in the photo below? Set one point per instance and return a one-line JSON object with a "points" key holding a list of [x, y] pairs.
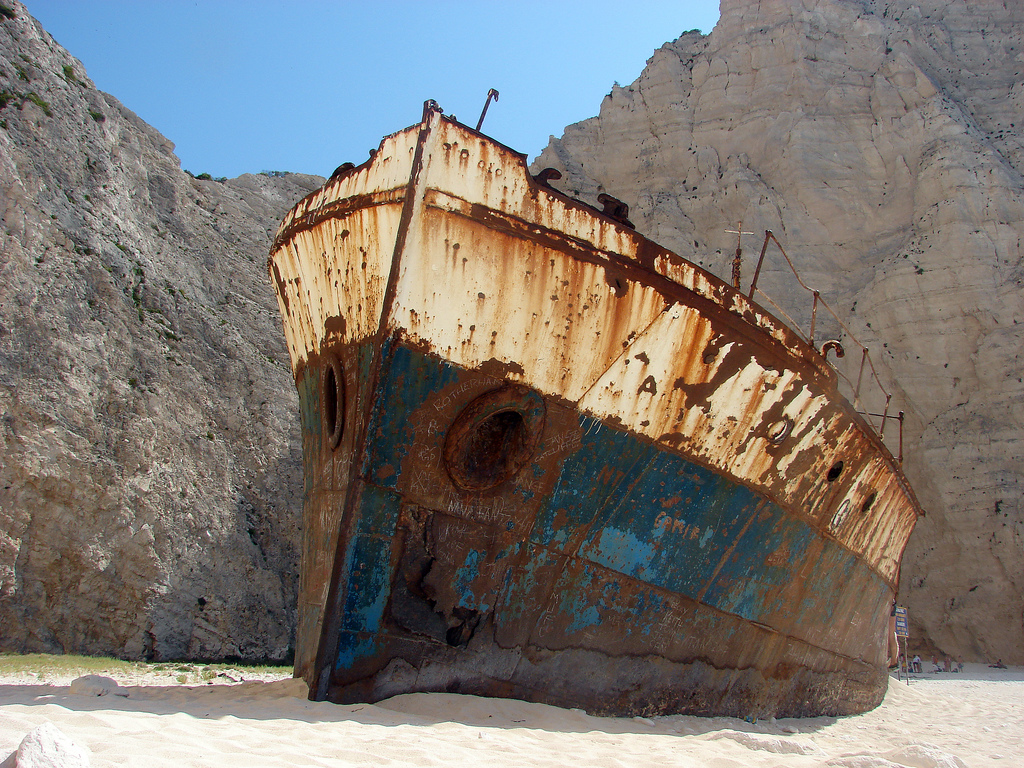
{"points": [[546, 458]]}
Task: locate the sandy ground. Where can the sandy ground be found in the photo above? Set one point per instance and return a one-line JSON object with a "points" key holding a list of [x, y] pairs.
{"points": [[938, 721]]}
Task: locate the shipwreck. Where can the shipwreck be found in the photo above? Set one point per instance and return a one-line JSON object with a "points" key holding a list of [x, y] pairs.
{"points": [[546, 458]]}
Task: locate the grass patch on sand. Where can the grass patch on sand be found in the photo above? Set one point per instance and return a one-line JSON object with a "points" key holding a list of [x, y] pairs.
{"points": [[54, 665], [48, 666]]}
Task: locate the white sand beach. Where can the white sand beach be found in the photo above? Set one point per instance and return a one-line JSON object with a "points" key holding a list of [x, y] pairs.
{"points": [[943, 720]]}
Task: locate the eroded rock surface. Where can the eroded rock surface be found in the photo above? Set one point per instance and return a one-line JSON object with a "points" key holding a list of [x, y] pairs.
{"points": [[150, 476], [882, 143]]}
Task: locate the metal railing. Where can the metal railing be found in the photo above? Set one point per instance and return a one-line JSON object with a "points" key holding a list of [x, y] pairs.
{"points": [[831, 345]]}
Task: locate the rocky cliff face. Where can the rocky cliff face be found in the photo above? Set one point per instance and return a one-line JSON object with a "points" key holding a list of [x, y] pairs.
{"points": [[150, 470], [883, 143]]}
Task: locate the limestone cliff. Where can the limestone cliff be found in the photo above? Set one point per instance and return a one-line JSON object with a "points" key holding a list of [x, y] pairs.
{"points": [[882, 142], [150, 476]]}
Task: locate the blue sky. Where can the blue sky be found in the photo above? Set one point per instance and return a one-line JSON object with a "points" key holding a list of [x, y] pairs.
{"points": [[304, 85]]}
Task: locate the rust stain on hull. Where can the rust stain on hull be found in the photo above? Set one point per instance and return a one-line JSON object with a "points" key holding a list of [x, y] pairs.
{"points": [[546, 458]]}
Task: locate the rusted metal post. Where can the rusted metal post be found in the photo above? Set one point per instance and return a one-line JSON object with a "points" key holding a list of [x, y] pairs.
{"points": [[760, 259], [814, 316], [900, 458], [737, 261], [860, 374], [491, 93], [885, 415]]}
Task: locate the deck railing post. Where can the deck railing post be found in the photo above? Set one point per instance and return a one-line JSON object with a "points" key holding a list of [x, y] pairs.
{"points": [[814, 316], [760, 259], [885, 415], [860, 374], [901, 439]]}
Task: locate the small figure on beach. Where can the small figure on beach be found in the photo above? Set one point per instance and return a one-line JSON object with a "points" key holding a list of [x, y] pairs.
{"points": [[959, 663], [917, 663], [998, 665]]}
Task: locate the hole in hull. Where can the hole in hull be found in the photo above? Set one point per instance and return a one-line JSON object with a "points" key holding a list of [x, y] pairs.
{"points": [[494, 437], [868, 502]]}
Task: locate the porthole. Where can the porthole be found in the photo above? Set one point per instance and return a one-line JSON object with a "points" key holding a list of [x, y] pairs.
{"points": [[332, 398], [868, 502], [494, 437], [834, 472], [840, 515], [780, 430]]}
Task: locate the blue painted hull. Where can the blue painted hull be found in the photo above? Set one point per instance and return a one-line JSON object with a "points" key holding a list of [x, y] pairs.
{"points": [[609, 573]]}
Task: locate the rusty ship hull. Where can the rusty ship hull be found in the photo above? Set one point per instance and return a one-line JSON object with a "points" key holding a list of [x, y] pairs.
{"points": [[547, 459]]}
